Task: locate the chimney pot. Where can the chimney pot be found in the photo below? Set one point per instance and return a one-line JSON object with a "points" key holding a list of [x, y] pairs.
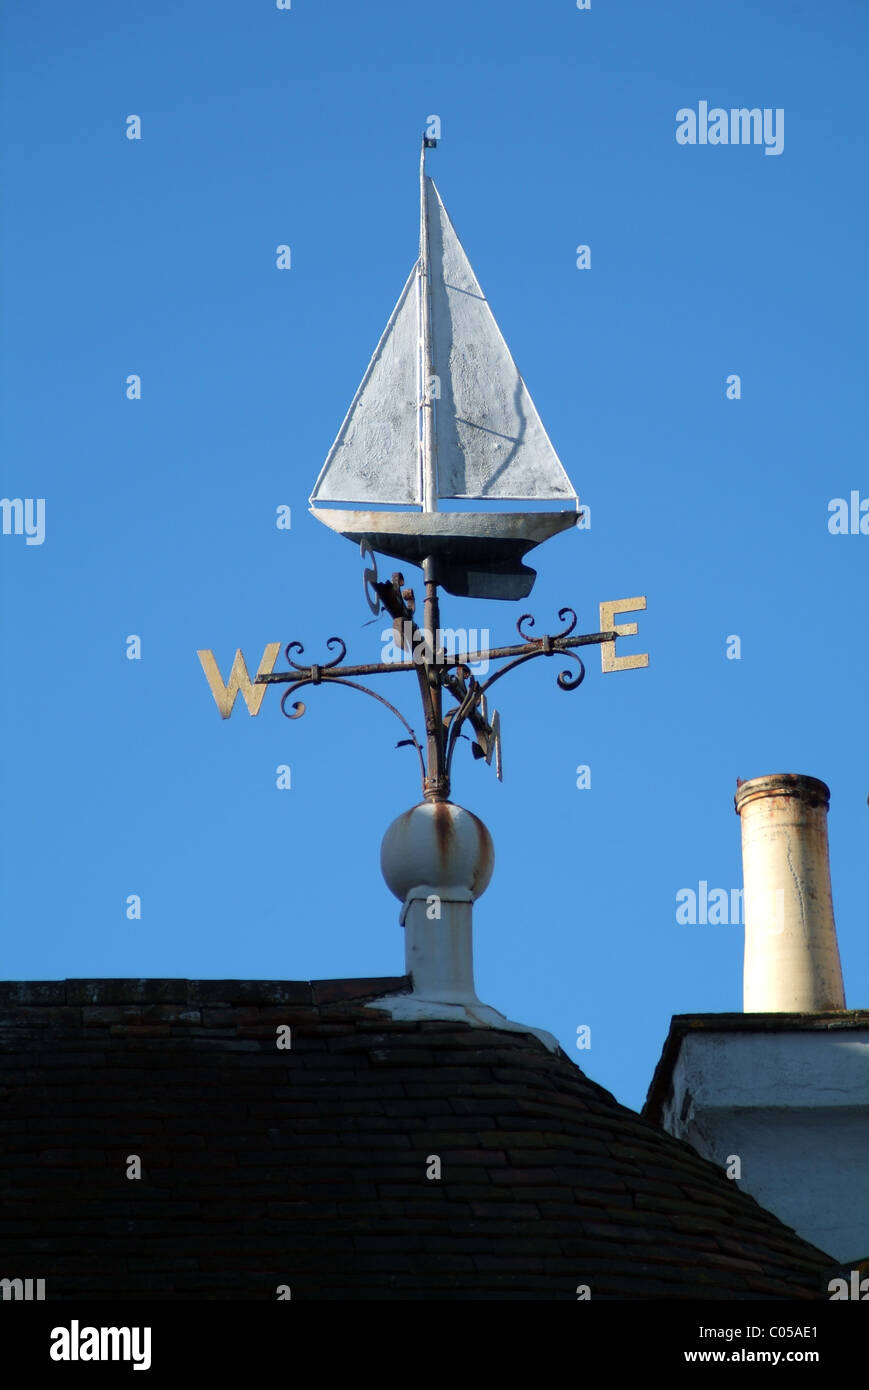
{"points": [[791, 953]]}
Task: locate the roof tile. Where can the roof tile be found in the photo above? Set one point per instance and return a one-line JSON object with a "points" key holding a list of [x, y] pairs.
{"points": [[308, 1166]]}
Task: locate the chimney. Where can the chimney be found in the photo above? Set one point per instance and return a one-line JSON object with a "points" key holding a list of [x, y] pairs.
{"points": [[791, 953]]}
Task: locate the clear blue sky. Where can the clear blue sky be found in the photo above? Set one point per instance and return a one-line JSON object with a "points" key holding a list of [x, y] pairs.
{"points": [[157, 257]]}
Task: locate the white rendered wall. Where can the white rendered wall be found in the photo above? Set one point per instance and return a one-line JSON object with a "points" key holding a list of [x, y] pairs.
{"points": [[794, 1107]]}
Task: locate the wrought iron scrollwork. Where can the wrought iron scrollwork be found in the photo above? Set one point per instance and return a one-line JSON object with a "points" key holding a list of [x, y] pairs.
{"points": [[329, 672], [326, 665], [563, 614], [438, 673], [568, 680]]}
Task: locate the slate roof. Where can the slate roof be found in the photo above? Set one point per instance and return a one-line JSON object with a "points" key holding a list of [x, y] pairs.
{"points": [[307, 1167]]}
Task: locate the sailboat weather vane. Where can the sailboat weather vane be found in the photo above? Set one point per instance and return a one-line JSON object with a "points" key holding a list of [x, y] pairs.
{"points": [[441, 413]]}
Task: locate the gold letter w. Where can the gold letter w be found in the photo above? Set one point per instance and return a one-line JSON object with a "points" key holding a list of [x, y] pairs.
{"points": [[239, 680]]}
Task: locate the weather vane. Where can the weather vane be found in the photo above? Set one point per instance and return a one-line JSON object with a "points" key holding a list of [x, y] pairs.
{"points": [[442, 413]]}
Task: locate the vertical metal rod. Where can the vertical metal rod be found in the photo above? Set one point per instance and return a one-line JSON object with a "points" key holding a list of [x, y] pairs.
{"points": [[437, 786], [428, 463]]}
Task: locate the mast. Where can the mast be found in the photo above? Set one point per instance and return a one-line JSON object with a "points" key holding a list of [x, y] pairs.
{"points": [[428, 463], [437, 780]]}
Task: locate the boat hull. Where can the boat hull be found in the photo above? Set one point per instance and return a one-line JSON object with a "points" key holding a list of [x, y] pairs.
{"points": [[476, 554]]}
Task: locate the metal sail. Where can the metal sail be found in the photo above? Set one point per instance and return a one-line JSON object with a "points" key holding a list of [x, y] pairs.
{"points": [[490, 442], [375, 457], [443, 412]]}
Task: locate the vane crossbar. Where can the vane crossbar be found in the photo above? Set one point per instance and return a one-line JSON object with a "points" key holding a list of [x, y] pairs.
{"points": [[537, 645], [439, 672]]}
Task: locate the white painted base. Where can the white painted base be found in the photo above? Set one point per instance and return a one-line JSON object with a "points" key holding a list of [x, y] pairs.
{"points": [[412, 1007]]}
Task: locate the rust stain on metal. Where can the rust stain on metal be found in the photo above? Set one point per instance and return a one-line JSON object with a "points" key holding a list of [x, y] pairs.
{"points": [[443, 823], [485, 855]]}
